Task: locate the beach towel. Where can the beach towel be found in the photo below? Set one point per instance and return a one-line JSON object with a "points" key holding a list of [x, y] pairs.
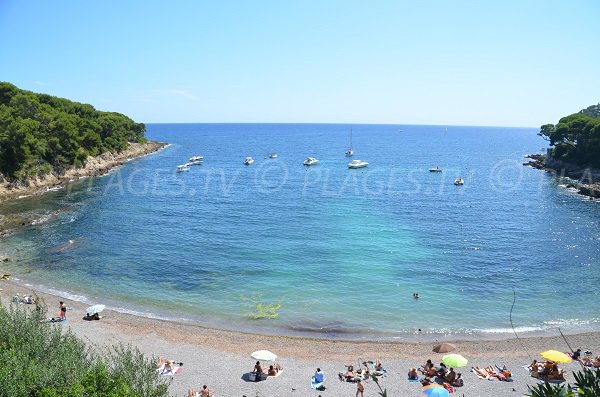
{"points": [[414, 380], [166, 372]]}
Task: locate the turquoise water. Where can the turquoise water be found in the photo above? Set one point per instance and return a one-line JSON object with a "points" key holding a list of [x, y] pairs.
{"points": [[340, 250]]}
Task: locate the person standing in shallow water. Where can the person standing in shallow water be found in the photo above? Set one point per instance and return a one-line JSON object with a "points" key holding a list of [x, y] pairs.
{"points": [[63, 310]]}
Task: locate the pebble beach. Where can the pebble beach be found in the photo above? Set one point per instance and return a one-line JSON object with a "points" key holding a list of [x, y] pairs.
{"points": [[220, 358]]}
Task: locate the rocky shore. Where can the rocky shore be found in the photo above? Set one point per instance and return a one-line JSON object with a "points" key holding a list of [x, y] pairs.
{"points": [[95, 166], [585, 180]]}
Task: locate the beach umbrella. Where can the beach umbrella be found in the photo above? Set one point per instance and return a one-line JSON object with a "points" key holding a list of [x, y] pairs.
{"points": [[435, 390], [556, 356], [264, 355], [454, 360], [95, 309], [444, 348]]}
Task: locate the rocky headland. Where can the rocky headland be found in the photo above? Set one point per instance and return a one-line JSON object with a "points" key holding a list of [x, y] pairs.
{"points": [[585, 179]]}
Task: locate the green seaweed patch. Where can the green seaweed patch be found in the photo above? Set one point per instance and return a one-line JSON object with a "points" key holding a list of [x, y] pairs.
{"points": [[265, 311], [259, 308]]}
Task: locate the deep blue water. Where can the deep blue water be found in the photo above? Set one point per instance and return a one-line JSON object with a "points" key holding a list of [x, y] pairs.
{"points": [[340, 250]]}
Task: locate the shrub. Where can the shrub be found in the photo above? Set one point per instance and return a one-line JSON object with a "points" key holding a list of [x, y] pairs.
{"points": [[42, 359]]}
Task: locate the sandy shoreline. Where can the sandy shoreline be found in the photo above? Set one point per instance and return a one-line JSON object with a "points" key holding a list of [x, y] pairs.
{"points": [[220, 358]]}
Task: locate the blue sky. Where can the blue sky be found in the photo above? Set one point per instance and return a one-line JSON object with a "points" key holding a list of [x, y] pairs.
{"points": [[505, 63]]}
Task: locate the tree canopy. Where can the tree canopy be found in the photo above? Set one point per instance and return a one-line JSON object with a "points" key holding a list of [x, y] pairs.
{"points": [[576, 138], [40, 133]]}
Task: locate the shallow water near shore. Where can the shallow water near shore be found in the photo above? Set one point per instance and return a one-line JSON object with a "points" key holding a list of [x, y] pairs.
{"points": [[341, 251]]}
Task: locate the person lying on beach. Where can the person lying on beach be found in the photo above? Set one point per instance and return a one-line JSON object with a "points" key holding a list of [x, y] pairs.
{"points": [[166, 366], [494, 374], [450, 376], [481, 372], [349, 375], [91, 317], [412, 374], [51, 320]]}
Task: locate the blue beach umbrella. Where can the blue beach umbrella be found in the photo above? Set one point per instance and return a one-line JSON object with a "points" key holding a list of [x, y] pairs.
{"points": [[436, 392], [95, 309]]}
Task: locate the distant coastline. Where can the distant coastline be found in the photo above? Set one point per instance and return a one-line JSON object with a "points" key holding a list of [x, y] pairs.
{"points": [[585, 179], [94, 167]]}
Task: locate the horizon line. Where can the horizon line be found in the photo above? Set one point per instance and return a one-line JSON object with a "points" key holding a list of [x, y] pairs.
{"points": [[332, 123]]}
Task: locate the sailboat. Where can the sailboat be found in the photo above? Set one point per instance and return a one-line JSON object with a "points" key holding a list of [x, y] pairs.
{"points": [[349, 151]]}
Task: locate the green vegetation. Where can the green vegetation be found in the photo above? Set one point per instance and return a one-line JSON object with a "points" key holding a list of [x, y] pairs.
{"points": [[40, 133], [587, 384], [576, 138], [40, 360]]}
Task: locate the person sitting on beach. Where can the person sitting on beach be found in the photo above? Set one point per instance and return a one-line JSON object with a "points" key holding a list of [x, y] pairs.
{"points": [[546, 369], [349, 374], [450, 376], [555, 373], [366, 373], [412, 374], [28, 300], [319, 376], [441, 370], [431, 371], [458, 382], [425, 382], [272, 371], [202, 393], [425, 367], [378, 366], [575, 355], [257, 369]]}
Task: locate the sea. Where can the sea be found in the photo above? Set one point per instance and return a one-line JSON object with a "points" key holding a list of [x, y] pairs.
{"points": [[325, 251]]}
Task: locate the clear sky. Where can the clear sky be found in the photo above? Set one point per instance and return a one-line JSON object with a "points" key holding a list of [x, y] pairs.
{"points": [[505, 63]]}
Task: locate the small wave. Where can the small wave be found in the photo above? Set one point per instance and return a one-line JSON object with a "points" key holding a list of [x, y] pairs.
{"points": [[522, 329]]}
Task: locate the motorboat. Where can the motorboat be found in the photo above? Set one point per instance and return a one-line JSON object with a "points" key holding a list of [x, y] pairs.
{"points": [[436, 169], [248, 161], [196, 158], [459, 181], [183, 168], [311, 161], [273, 155], [357, 164]]}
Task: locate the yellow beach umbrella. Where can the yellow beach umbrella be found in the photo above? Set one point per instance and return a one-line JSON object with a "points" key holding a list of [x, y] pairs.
{"points": [[556, 356]]}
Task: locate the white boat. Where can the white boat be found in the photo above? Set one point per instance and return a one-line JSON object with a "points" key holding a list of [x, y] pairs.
{"points": [[357, 164], [197, 162], [273, 155], [311, 161], [182, 168], [436, 169], [349, 151], [459, 181], [248, 161], [195, 159]]}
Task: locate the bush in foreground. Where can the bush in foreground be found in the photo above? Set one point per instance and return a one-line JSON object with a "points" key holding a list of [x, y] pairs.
{"points": [[40, 359]]}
